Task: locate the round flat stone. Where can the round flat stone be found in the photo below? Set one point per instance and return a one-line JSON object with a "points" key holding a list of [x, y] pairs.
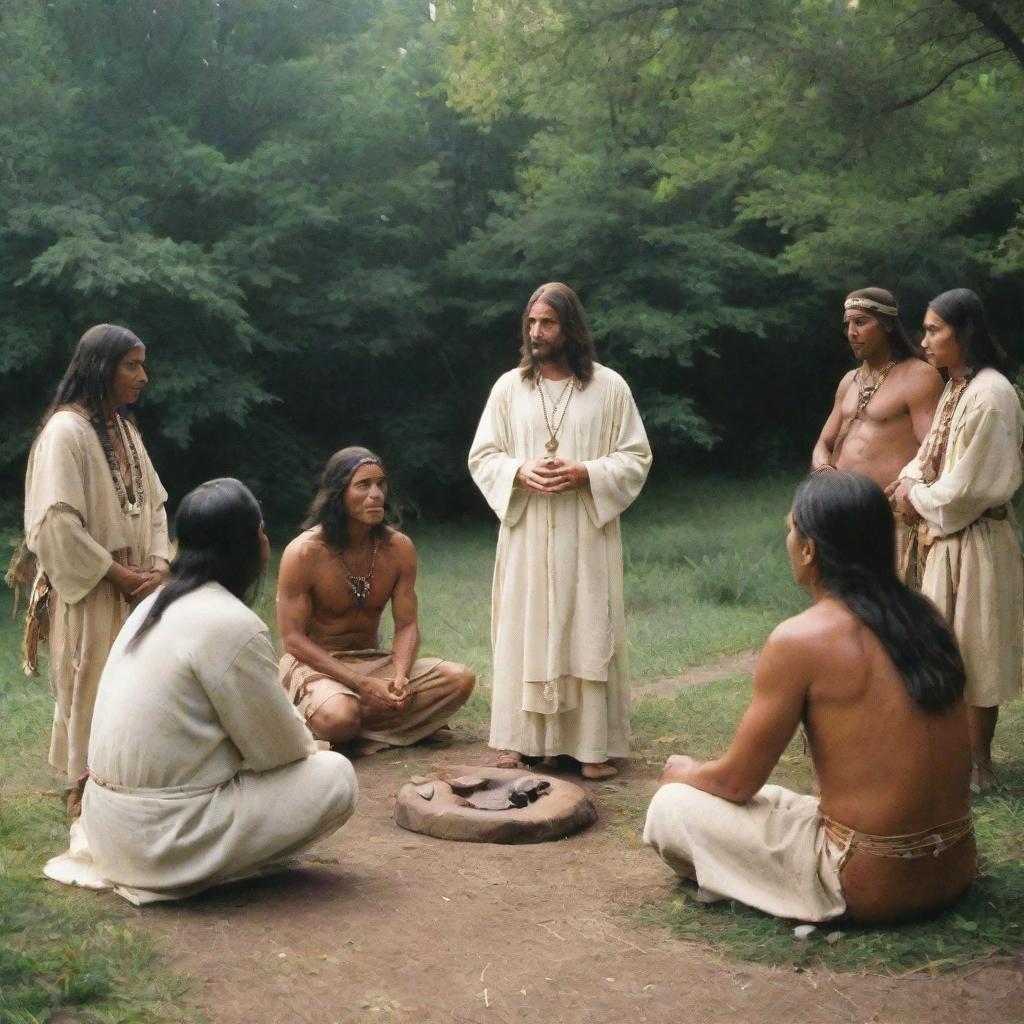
{"points": [[559, 812]]}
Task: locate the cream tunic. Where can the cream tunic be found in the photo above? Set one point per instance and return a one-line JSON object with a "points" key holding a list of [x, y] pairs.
{"points": [[560, 682], [76, 527], [203, 771], [974, 572]]}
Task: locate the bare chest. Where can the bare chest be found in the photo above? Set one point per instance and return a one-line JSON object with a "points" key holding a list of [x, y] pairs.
{"points": [[874, 403], [342, 589]]}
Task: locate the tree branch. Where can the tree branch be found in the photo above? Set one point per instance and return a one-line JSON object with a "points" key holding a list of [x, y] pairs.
{"points": [[917, 97], [997, 26]]}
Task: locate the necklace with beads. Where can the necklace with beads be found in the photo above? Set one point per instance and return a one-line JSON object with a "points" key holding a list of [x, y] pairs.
{"points": [[360, 585], [870, 386], [128, 486]]}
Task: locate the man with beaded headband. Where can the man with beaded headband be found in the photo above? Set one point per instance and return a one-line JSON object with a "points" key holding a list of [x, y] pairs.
{"points": [[883, 408], [560, 453], [334, 583], [95, 519]]}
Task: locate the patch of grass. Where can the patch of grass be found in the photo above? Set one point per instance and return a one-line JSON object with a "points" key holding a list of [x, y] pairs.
{"points": [[987, 923], [627, 815], [60, 948], [701, 720]]}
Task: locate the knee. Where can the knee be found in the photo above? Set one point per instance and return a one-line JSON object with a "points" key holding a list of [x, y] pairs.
{"points": [[671, 810], [462, 680], [339, 780], [337, 721]]}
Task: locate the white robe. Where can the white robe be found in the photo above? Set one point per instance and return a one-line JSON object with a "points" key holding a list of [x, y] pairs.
{"points": [[75, 525], [974, 572], [560, 683], [203, 772]]}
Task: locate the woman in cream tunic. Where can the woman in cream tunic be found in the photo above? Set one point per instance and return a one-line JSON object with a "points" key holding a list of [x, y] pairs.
{"points": [[959, 487], [94, 517], [201, 771]]}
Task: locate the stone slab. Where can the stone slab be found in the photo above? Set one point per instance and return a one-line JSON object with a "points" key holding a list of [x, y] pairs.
{"points": [[563, 810]]}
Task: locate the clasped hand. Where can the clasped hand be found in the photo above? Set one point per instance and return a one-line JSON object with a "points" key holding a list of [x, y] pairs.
{"points": [[135, 583], [898, 493], [552, 476], [385, 694]]}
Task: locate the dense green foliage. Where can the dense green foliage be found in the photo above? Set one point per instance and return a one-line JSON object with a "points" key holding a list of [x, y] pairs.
{"points": [[324, 218]]}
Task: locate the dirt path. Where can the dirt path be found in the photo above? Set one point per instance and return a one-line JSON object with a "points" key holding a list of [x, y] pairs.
{"points": [[392, 927], [735, 664]]}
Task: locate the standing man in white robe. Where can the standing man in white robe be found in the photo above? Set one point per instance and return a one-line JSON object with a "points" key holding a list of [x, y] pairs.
{"points": [[560, 454]]}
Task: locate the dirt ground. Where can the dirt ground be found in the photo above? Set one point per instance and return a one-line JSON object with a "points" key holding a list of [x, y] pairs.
{"points": [[385, 925]]}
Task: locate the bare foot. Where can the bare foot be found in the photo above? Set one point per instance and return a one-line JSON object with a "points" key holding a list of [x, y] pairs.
{"points": [[598, 770], [507, 759]]}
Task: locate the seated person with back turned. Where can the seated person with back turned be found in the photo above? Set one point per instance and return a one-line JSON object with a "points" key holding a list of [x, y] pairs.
{"points": [[333, 584], [200, 771], [874, 674]]}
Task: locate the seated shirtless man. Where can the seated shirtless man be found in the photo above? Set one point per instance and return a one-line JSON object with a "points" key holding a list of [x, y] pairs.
{"points": [[334, 582], [874, 675], [883, 408]]}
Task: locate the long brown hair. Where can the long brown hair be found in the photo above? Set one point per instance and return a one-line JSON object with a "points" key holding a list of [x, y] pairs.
{"points": [[850, 521], [328, 508], [963, 311], [88, 380], [579, 345]]}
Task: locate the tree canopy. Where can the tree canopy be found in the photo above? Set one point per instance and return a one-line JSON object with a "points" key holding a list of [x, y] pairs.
{"points": [[324, 218]]}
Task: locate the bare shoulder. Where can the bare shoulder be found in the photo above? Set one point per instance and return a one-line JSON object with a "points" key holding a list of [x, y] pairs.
{"points": [[847, 380], [919, 374], [400, 548], [812, 631], [305, 551]]}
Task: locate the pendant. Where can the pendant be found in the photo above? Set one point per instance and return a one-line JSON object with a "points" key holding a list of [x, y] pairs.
{"points": [[360, 589], [551, 446]]}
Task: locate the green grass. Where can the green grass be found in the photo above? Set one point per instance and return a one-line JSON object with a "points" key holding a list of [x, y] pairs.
{"points": [[59, 948], [988, 923], [705, 576]]}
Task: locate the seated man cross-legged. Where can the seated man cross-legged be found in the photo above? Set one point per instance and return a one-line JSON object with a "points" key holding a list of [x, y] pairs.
{"points": [[334, 583], [875, 676]]}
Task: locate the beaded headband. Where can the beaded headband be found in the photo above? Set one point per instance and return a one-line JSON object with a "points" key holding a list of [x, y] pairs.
{"points": [[861, 302]]}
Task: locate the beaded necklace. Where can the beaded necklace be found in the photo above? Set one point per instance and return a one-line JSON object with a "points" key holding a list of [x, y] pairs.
{"points": [[868, 389], [131, 505], [938, 439], [360, 585]]}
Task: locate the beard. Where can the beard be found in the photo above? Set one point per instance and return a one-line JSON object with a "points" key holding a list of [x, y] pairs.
{"points": [[545, 352]]}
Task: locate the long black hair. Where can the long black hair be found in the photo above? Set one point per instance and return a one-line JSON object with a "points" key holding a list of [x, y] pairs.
{"points": [[899, 341], [218, 528], [328, 507], [579, 343], [849, 519], [90, 374], [963, 311]]}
